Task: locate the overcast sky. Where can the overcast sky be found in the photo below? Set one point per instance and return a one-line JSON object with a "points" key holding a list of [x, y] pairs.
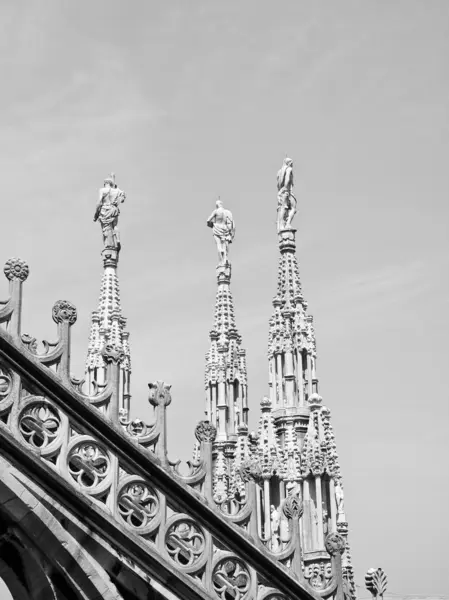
{"points": [[185, 101]]}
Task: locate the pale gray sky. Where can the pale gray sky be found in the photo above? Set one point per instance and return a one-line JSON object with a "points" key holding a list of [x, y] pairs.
{"points": [[188, 100]]}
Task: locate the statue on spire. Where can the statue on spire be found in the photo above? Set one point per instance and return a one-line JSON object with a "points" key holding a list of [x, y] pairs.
{"points": [[108, 211], [223, 228], [286, 200]]}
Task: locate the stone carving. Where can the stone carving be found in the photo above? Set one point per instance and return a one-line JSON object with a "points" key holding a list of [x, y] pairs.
{"points": [[135, 428], [185, 543], [138, 504], [314, 401], [223, 228], [205, 432], [376, 582], [325, 519], [64, 311], [340, 501], [275, 526], [293, 507], [159, 394], [108, 211], [88, 464], [5, 383], [335, 543], [16, 268], [123, 415], [318, 574], [231, 579], [39, 424], [220, 475], [249, 470], [286, 200], [31, 344], [112, 354]]}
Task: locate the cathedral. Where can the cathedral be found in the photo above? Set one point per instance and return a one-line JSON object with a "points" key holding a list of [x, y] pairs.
{"points": [[90, 505]]}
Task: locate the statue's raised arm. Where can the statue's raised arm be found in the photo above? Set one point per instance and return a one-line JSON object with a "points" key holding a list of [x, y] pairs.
{"points": [[286, 200], [223, 228], [107, 212]]}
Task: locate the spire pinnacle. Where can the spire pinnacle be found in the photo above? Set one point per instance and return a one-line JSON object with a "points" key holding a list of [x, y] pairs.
{"points": [[108, 324], [291, 337], [225, 372]]}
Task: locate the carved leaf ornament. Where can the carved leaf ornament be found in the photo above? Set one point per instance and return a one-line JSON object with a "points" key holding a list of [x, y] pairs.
{"points": [[376, 581], [293, 507]]}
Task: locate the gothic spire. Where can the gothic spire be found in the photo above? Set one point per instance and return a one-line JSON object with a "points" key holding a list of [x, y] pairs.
{"points": [[302, 424], [108, 324], [225, 372]]}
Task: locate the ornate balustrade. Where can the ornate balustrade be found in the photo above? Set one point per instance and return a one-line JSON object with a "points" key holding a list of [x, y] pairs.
{"points": [[119, 478]]}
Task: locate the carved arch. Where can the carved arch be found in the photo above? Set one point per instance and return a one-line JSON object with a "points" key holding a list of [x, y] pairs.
{"points": [[61, 559]]}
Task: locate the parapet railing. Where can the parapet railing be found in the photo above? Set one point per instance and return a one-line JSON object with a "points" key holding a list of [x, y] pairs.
{"points": [[136, 499]]}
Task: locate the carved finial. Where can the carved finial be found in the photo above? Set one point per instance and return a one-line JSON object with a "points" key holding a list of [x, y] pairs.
{"points": [[335, 543], [112, 354], [250, 470], [108, 211], [376, 582], [314, 401], [64, 311], [159, 393], [16, 268], [293, 507], [265, 404], [223, 228], [286, 200], [205, 432]]}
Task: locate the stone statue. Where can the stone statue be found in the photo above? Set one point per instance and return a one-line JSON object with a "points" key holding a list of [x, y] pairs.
{"points": [[286, 200], [223, 228], [340, 501], [108, 211], [275, 524], [325, 519]]}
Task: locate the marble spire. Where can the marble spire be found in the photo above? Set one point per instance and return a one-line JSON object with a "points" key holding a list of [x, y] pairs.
{"points": [[108, 325], [225, 368], [304, 439]]}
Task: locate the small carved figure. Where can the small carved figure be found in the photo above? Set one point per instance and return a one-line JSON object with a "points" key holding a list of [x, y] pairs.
{"points": [[340, 501], [108, 211], [223, 228], [284, 529], [325, 520], [286, 200], [275, 524]]}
